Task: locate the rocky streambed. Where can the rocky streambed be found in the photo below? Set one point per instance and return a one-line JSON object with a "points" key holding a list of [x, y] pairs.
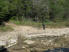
{"points": [[41, 43], [27, 39], [30, 33]]}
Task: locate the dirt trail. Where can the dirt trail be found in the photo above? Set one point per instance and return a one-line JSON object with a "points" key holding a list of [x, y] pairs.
{"points": [[32, 31], [29, 32]]}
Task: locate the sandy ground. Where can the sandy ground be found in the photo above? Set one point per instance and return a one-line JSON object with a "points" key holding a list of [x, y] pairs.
{"points": [[30, 31]]}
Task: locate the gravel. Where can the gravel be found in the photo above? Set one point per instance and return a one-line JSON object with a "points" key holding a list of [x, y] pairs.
{"points": [[30, 32]]}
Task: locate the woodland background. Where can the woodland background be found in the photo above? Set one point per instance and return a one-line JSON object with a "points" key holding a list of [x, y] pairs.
{"points": [[40, 11]]}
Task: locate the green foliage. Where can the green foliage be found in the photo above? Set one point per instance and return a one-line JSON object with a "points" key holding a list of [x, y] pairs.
{"points": [[27, 22], [6, 28], [41, 10], [3, 8]]}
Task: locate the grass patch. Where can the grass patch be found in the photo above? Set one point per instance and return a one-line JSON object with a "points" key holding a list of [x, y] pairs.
{"points": [[5, 28], [49, 24], [27, 23], [60, 24]]}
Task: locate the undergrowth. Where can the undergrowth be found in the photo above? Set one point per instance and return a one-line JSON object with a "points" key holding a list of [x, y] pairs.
{"points": [[49, 24], [6, 28]]}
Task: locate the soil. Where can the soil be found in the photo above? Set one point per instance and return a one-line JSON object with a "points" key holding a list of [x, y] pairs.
{"points": [[37, 39]]}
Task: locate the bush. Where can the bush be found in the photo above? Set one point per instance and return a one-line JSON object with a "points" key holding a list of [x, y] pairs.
{"points": [[6, 28]]}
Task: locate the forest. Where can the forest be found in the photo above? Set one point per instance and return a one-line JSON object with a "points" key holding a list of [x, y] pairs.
{"points": [[41, 11], [34, 25]]}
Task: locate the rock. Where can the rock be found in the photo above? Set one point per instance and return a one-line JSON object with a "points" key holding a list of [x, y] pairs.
{"points": [[29, 41], [12, 41], [2, 43], [23, 47]]}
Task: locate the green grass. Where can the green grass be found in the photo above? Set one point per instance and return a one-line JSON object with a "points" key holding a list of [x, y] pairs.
{"points": [[6, 28], [27, 23], [59, 24], [48, 24]]}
